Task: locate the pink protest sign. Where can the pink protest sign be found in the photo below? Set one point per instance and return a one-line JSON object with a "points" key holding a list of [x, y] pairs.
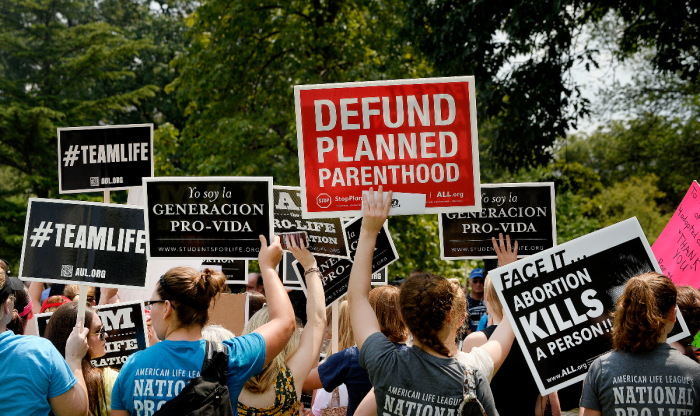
{"points": [[678, 247]]}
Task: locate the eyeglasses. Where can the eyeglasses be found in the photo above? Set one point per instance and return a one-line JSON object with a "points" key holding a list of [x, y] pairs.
{"points": [[148, 303], [102, 333]]}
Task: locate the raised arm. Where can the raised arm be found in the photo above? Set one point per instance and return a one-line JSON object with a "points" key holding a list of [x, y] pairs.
{"points": [[312, 336], [500, 342], [362, 318], [281, 326]]}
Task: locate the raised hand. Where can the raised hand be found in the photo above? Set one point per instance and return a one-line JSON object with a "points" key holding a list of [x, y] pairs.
{"points": [[376, 211], [506, 254]]}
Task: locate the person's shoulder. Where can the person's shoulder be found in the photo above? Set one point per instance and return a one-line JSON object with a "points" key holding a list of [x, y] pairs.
{"points": [[31, 344]]}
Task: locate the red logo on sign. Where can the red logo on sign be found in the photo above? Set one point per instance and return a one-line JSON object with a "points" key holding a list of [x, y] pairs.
{"points": [[323, 200]]}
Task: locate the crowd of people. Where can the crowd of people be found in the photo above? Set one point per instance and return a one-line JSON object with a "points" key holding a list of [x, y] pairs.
{"points": [[401, 351]]}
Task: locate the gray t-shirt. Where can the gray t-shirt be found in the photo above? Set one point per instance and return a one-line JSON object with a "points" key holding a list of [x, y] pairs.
{"points": [[660, 382], [412, 382]]}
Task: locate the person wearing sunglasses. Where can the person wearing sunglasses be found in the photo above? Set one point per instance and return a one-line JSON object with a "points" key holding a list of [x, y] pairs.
{"points": [[99, 381]]}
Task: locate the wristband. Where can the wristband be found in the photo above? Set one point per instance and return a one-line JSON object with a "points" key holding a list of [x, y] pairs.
{"points": [[312, 270]]}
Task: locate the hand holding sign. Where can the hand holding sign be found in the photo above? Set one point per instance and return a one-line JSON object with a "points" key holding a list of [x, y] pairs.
{"points": [[269, 257], [376, 212], [77, 345], [303, 255], [506, 254]]}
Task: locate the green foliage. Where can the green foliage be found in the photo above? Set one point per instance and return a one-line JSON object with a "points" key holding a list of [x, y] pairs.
{"points": [[237, 78]]}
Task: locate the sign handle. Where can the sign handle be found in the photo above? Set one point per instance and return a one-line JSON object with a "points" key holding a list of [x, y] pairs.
{"points": [[105, 197], [334, 336], [82, 301]]}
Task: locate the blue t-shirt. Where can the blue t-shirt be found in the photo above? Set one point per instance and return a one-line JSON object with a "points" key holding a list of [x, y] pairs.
{"points": [[32, 371], [343, 367], [155, 375]]}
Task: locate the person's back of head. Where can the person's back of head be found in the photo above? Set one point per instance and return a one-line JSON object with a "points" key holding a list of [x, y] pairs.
{"points": [[22, 313], [73, 291], [256, 301], [216, 334], [689, 304], [266, 379], [191, 293], [494, 303], [425, 302], [385, 302], [53, 302], [642, 312]]}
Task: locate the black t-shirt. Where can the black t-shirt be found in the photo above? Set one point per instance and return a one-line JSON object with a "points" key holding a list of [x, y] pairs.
{"points": [[476, 308], [514, 389]]}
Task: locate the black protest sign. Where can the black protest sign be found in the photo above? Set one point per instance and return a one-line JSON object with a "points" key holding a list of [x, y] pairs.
{"points": [[326, 236], [216, 217], [84, 242], [384, 251], [335, 276], [286, 272], [380, 278], [100, 158], [559, 301], [125, 327], [236, 271], [525, 211]]}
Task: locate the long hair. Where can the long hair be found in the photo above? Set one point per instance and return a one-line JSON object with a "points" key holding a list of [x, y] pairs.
{"points": [[494, 301], [260, 384], [346, 338], [425, 301], [642, 309], [190, 285], [58, 330], [689, 304], [385, 302]]}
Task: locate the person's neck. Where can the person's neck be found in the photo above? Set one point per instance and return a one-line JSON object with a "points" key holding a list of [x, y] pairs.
{"points": [[191, 333], [477, 296]]}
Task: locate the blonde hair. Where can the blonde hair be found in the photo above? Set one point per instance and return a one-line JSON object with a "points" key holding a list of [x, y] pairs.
{"points": [[71, 291], [494, 301], [346, 338], [266, 379]]}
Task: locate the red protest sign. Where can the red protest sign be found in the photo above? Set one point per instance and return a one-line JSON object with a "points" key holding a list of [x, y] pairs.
{"points": [[415, 136]]}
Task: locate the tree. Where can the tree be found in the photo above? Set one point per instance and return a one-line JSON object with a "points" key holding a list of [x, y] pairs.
{"points": [[54, 58]]}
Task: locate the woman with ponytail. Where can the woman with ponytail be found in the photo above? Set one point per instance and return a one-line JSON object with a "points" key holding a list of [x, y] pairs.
{"points": [[99, 381], [179, 310], [426, 378], [643, 375], [689, 304]]}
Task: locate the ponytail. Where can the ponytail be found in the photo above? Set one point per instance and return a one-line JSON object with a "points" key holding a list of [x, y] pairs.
{"points": [[425, 301], [642, 309]]}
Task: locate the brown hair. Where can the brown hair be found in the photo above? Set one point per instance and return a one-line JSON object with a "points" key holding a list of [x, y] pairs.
{"points": [[58, 330], [385, 302], [12, 295], [71, 291], [55, 299], [256, 301], [425, 301], [186, 283], [689, 304], [642, 309], [17, 324], [494, 301]]}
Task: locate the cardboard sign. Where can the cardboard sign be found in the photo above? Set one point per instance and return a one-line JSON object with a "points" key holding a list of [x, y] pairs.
{"points": [[335, 276], [414, 136], [125, 324], [286, 272], [236, 271], [84, 242], [216, 217], [384, 251], [525, 211], [97, 158], [229, 311], [380, 278], [678, 247], [559, 300], [326, 236]]}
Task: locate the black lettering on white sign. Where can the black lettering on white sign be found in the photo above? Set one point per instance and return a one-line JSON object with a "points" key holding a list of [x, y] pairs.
{"points": [[100, 158], [217, 217], [75, 241], [525, 211], [326, 236], [559, 300]]}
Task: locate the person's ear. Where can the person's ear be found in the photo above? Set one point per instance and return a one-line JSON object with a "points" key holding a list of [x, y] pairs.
{"points": [[168, 309], [672, 313]]}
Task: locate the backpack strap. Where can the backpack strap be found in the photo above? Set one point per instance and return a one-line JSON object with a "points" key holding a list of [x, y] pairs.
{"points": [[215, 366], [469, 390]]}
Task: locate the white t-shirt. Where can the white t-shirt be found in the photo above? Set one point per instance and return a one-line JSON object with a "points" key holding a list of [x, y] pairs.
{"points": [[479, 359], [323, 399]]}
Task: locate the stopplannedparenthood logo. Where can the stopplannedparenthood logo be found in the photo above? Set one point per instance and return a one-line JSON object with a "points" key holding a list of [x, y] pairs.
{"points": [[104, 157], [323, 200], [75, 241]]}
